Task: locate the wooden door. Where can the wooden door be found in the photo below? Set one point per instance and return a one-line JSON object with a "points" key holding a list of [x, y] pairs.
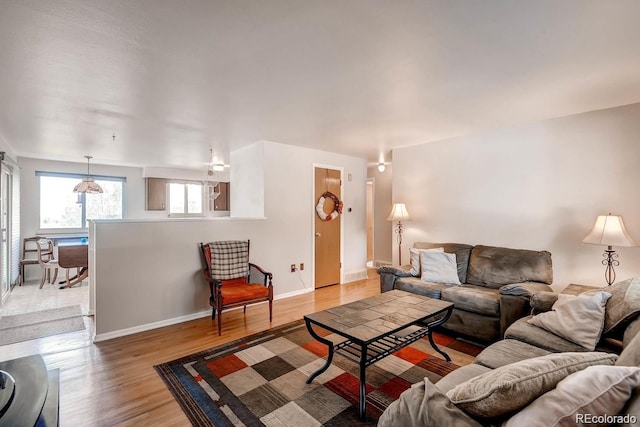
{"points": [[327, 233], [221, 203]]}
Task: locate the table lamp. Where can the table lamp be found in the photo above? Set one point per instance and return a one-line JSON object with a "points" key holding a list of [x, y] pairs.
{"points": [[399, 213], [609, 231]]}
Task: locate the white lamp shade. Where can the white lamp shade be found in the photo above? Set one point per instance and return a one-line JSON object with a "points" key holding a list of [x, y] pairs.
{"points": [[399, 213], [609, 230], [381, 167]]}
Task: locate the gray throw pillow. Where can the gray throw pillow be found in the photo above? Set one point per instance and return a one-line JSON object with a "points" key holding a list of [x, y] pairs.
{"points": [[623, 306], [508, 388], [597, 391], [578, 319]]}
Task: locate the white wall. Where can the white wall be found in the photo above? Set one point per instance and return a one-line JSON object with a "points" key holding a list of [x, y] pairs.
{"points": [[536, 186], [147, 273], [247, 177], [290, 206], [383, 237]]}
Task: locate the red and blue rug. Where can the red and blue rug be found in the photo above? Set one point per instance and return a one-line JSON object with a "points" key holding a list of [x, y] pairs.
{"points": [[261, 380]]}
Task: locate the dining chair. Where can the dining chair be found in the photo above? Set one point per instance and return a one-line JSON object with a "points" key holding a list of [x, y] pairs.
{"points": [[29, 255], [47, 261], [233, 280]]}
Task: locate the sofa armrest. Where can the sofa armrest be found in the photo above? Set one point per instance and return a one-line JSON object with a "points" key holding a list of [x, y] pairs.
{"points": [[388, 276], [525, 289], [515, 302], [542, 301]]}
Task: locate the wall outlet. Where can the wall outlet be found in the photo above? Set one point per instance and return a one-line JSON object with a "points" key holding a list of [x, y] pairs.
{"points": [[301, 266], [293, 268]]}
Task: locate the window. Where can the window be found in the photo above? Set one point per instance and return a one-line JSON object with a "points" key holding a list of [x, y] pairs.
{"points": [[63, 210], [185, 199]]}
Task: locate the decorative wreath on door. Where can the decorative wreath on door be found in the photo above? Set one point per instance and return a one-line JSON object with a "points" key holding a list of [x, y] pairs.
{"points": [[337, 209]]}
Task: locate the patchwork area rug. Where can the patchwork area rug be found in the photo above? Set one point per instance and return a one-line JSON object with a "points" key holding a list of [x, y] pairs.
{"points": [[260, 380], [38, 324]]}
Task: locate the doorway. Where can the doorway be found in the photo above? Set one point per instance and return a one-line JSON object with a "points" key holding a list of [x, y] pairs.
{"points": [[370, 213], [327, 231], [5, 230]]}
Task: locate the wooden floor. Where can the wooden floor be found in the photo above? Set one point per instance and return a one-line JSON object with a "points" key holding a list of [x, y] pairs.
{"points": [[114, 383]]}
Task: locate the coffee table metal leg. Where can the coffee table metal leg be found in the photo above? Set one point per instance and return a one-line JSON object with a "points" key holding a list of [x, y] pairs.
{"points": [[362, 410], [329, 355], [429, 334]]}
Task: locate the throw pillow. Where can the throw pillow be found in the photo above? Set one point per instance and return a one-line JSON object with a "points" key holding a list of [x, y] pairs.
{"points": [[594, 392], [415, 259], [578, 319], [623, 306], [511, 387], [439, 267], [424, 405]]}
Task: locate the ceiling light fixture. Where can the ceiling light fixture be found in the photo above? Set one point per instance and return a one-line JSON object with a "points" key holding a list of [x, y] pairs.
{"points": [[88, 184], [381, 167]]}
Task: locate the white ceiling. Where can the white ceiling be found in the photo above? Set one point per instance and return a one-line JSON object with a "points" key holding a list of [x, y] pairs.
{"points": [[173, 78]]}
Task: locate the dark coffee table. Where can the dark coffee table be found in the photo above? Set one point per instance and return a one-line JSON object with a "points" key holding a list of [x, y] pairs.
{"points": [[376, 327]]}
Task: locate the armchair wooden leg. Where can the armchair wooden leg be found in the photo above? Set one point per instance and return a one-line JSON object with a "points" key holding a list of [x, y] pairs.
{"points": [[245, 310], [219, 319], [270, 311]]}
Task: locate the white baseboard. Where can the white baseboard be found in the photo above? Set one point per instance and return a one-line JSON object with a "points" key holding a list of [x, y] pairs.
{"points": [[180, 319], [293, 293], [382, 263], [150, 326], [354, 276]]}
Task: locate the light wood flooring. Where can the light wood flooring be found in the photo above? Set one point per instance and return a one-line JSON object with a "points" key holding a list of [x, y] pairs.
{"points": [[114, 383]]}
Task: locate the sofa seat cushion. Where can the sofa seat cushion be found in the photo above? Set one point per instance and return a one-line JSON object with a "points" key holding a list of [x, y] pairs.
{"points": [[522, 330], [494, 266], [420, 287], [424, 405], [460, 375], [475, 299], [236, 291], [508, 351]]}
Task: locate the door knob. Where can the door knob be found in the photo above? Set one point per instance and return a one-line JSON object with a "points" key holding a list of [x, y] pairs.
{"points": [[318, 234]]}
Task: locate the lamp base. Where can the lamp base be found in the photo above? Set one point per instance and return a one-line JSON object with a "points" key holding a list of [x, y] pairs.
{"points": [[610, 261]]}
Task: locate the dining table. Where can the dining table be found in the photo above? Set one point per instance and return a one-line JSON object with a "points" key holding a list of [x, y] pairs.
{"points": [[74, 256]]}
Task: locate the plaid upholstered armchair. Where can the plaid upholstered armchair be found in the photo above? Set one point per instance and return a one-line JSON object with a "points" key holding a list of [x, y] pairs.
{"points": [[233, 280]]}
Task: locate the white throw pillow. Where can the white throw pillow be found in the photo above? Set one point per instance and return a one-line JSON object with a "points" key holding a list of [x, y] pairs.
{"points": [[439, 267], [593, 392], [415, 259], [579, 319]]}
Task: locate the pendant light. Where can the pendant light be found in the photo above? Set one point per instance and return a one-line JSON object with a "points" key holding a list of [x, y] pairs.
{"points": [[88, 184]]}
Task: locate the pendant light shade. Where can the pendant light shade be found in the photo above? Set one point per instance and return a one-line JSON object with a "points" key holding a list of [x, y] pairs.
{"points": [[88, 184]]}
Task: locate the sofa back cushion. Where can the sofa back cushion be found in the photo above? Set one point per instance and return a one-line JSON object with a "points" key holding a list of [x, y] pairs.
{"points": [[495, 267], [461, 251]]}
